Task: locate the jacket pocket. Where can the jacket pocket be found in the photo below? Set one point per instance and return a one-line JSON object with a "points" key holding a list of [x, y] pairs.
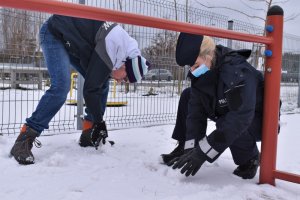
{"points": [[234, 98]]}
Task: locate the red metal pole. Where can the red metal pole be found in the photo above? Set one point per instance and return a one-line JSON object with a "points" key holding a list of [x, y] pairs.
{"points": [[77, 10], [271, 95], [294, 178]]}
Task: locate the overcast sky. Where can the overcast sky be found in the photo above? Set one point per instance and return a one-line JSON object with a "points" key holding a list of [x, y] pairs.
{"points": [[290, 7]]}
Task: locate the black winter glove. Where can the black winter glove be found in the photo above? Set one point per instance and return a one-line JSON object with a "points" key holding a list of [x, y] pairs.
{"points": [[170, 163], [190, 162], [98, 134]]}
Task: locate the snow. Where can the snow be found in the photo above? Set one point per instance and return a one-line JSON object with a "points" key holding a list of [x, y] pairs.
{"points": [[131, 169]]}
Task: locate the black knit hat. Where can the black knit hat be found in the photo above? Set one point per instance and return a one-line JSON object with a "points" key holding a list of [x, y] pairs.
{"points": [[136, 68], [188, 48]]}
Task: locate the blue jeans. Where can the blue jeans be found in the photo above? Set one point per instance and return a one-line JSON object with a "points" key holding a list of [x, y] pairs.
{"points": [[58, 62]]}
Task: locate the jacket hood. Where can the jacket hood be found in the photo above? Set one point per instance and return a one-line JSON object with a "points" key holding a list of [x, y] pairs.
{"points": [[225, 54], [231, 64]]}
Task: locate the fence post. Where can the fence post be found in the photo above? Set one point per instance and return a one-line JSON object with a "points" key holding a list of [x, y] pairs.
{"points": [[299, 83], [230, 27], [273, 54], [80, 82]]}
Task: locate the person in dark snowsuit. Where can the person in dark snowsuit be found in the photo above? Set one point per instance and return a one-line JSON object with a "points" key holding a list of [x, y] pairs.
{"points": [[228, 91], [98, 50]]}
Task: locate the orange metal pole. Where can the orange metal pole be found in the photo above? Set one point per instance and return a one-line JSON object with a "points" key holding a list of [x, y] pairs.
{"points": [[271, 96], [77, 10], [287, 176]]}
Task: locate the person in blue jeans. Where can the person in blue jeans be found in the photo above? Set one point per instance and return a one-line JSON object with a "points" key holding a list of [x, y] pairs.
{"points": [[98, 50]]}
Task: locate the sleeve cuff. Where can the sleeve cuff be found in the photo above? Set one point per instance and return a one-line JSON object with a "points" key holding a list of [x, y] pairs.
{"points": [[208, 150]]}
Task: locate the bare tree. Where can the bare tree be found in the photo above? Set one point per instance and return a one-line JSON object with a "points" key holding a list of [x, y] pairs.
{"points": [[19, 38], [186, 10], [162, 45], [176, 9]]}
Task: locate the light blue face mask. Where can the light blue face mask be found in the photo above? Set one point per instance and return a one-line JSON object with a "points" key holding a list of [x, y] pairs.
{"points": [[202, 69]]}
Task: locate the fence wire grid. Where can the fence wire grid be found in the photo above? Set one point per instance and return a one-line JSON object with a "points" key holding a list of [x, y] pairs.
{"points": [[152, 101]]}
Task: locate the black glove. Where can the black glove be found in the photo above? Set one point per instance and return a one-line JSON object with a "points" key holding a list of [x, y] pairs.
{"points": [[190, 162], [171, 162], [98, 134]]}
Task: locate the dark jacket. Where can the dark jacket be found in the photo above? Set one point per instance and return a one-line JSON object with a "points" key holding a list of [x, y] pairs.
{"points": [[231, 94], [78, 36]]}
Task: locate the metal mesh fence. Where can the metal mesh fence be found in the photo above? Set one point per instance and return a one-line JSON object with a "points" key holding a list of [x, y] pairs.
{"points": [[290, 72], [23, 75], [154, 100]]}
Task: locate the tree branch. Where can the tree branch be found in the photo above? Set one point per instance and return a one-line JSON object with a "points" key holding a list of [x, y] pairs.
{"points": [[257, 9], [291, 17], [281, 2], [232, 9]]}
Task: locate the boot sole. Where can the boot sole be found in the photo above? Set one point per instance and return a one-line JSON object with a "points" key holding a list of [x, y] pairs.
{"points": [[246, 176], [22, 162]]}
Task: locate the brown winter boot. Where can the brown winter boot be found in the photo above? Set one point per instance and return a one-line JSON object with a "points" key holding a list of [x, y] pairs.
{"points": [[21, 150], [85, 138]]}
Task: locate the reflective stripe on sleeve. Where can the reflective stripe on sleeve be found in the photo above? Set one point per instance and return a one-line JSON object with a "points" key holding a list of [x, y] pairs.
{"points": [[189, 144], [207, 149]]}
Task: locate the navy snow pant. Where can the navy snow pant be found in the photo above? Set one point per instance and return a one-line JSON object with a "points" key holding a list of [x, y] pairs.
{"points": [[242, 149]]}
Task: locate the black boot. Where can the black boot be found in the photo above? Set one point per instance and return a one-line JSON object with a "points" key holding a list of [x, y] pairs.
{"points": [[85, 137], [21, 150], [178, 151], [249, 169], [92, 134]]}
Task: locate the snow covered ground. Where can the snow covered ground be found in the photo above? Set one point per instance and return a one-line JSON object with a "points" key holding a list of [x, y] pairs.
{"points": [[131, 170]]}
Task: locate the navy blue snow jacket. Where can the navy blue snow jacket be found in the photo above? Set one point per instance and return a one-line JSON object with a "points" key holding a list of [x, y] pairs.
{"points": [[78, 36], [231, 94]]}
